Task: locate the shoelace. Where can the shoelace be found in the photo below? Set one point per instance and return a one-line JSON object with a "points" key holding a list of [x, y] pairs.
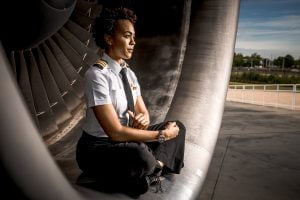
{"points": [[158, 185], [155, 180]]}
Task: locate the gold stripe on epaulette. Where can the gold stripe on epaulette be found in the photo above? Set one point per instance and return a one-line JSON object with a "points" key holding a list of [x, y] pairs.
{"points": [[101, 63]]}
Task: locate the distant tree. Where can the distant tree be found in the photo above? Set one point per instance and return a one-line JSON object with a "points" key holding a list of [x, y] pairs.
{"points": [[278, 61], [266, 62], [289, 61], [297, 63], [256, 59], [247, 61], [238, 60]]}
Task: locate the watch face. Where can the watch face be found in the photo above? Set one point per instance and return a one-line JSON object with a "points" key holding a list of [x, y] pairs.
{"points": [[161, 138]]}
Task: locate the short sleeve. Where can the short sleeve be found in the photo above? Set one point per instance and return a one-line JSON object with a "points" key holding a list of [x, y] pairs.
{"points": [[138, 89], [96, 88]]}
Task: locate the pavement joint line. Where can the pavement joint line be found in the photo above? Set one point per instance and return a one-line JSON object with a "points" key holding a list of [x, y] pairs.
{"points": [[255, 133], [219, 173]]}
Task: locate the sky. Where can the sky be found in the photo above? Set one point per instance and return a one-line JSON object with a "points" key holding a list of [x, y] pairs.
{"points": [[270, 28]]}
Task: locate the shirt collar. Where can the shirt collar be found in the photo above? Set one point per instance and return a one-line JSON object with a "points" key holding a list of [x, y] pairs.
{"points": [[114, 65]]}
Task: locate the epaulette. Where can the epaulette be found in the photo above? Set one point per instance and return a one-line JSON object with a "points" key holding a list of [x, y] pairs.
{"points": [[100, 63]]}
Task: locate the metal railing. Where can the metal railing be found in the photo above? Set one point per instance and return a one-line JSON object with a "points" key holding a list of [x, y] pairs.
{"points": [[276, 95]]}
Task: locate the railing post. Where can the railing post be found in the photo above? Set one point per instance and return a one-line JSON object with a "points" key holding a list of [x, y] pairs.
{"points": [[253, 94], [243, 94], [294, 97], [235, 95], [264, 95], [277, 98]]}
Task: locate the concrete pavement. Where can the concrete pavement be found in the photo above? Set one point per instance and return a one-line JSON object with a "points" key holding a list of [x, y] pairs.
{"points": [[257, 155]]}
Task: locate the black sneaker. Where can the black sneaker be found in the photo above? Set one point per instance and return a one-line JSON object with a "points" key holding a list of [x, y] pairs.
{"points": [[143, 185], [136, 187], [154, 180]]}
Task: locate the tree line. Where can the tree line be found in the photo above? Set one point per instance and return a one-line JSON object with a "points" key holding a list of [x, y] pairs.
{"points": [[255, 60], [256, 78]]}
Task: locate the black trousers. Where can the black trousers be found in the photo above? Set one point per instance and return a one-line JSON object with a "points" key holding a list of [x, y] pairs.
{"points": [[106, 159]]}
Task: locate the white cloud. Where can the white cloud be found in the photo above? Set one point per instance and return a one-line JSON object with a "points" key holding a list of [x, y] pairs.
{"points": [[280, 35], [290, 22], [257, 32], [283, 22], [274, 45]]}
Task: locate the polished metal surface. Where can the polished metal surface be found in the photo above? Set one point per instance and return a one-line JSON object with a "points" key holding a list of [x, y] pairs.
{"points": [[201, 92], [22, 151]]}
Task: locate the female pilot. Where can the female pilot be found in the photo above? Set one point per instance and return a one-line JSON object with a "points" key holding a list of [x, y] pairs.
{"points": [[117, 145]]}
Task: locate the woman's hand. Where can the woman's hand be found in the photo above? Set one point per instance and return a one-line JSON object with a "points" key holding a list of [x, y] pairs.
{"points": [[139, 121], [171, 130]]}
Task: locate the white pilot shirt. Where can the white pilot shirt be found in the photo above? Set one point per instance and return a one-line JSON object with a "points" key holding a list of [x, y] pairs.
{"points": [[105, 86]]}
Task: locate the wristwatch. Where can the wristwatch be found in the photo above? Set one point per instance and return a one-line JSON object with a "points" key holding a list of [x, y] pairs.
{"points": [[161, 137]]}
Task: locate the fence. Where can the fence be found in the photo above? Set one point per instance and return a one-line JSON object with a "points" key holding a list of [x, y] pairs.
{"points": [[276, 95]]}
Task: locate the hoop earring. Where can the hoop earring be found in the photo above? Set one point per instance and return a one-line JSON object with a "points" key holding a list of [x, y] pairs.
{"points": [[109, 43]]}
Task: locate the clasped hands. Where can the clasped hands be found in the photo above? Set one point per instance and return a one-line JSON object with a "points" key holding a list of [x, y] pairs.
{"points": [[171, 130], [140, 121]]}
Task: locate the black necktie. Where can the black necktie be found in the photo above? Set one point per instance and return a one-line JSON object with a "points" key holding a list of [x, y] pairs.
{"points": [[129, 97]]}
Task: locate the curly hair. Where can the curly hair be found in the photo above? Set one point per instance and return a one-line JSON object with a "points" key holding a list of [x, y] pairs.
{"points": [[106, 23]]}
